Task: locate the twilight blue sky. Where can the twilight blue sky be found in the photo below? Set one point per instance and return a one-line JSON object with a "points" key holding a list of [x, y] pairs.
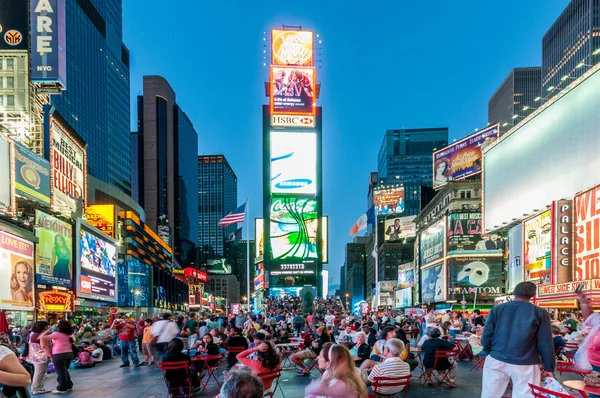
{"points": [[384, 65]]}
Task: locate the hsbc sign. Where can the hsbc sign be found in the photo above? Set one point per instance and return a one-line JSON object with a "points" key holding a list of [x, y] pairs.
{"points": [[292, 121]]}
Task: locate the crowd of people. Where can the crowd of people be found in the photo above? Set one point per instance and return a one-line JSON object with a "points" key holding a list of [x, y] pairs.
{"points": [[351, 350]]}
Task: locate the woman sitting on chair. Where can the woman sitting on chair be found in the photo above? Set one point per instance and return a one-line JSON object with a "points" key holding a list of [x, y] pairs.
{"points": [[177, 378], [430, 347], [267, 361]]}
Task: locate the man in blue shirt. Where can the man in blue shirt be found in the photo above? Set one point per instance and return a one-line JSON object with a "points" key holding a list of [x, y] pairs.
{"points": [[516, 336]]}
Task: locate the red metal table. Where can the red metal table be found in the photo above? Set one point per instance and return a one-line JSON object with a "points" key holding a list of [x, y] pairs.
{"points": [[208, 368]]}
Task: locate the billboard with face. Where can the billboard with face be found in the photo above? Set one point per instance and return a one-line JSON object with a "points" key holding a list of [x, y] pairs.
{"points": [[32, 175], [54, 252], [433, 284], [293, 227], [468, 275], [537, 243], [587, 234], [294, 163], [463, 158], [16, 273], [399, 228], [293, 90], [432, 243], [464, 234], [98, 268], [291, 47], [69, 169], [389, 201]]}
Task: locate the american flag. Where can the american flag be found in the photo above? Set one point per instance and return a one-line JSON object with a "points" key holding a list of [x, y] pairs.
{"points": [[234, 217]]}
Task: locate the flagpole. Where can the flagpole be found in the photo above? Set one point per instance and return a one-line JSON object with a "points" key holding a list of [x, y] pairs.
{"points": [[248, 253], [376, 257]]}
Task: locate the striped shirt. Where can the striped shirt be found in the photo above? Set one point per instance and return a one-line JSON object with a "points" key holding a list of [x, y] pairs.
{"points": [[391, 367]]}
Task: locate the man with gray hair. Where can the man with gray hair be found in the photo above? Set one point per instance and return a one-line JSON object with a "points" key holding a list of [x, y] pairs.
{"points": [[392, 366], [242, 384], [516, 337]]}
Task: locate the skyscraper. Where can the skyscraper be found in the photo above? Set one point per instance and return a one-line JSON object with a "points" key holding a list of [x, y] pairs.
{"points": [[96, 103], [570, 46], [165, 180], [355, 268], [217, 197], [405, 158], [516, 96]]}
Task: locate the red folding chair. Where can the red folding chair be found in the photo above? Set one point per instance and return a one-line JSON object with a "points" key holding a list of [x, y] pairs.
{"points": [[184, 388], [479, 362], [569, 351], [273, 377], [315, 364], [386, 382], [540, 392], [445, 373]]}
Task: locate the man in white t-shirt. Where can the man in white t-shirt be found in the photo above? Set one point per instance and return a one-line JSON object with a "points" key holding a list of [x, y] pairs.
{"points": [[164, 331], [97, 353], [329, 319], [431, 320]]}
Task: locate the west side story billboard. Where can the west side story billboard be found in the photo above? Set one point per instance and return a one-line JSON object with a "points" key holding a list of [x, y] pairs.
{"points": [[48, 42]]}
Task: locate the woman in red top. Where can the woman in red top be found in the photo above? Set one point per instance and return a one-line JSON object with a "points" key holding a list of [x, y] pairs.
{"points": [[267, 361]]}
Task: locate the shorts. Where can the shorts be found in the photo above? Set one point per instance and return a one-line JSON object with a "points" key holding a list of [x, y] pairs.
{"points": [[148, 349], [306, 354]]}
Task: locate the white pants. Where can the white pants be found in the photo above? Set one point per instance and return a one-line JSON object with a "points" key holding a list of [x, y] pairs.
{"points": [[497, 374]]}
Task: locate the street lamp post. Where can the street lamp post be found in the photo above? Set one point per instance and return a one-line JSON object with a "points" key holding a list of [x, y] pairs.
{"points": [[347, 295]]}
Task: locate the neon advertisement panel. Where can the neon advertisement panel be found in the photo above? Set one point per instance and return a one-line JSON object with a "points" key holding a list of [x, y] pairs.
{"points": [[293, 90], [291, 47], [293, 228], [293, 163]]}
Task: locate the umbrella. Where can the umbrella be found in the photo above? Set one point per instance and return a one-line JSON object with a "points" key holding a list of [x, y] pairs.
{"points": [[3, 322]]}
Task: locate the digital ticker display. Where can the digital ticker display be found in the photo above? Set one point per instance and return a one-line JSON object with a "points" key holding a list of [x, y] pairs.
{"points": [[293, 227]]}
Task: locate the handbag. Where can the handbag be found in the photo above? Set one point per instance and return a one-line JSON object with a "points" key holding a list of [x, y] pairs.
{"points": [[592, 379]]}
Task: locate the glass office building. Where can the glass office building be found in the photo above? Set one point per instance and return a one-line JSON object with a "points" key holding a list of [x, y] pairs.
{"points": [[96, 102], [217, 197], [405, 158], [186, 197]]}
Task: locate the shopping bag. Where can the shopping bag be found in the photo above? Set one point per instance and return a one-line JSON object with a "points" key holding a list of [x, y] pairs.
{"points": [[550, 383]]}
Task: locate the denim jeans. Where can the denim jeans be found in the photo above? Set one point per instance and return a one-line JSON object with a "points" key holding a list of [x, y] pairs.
{"points": [[128, 347], [61, 364], [595, 369]]}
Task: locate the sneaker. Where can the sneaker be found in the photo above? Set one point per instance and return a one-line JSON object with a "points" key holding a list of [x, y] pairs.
{"points": [[59, 392], [43, 391], [143, 363], [125, 365]]}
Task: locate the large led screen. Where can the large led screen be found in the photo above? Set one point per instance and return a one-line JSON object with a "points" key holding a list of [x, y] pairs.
{"points": [[54, 252], [587, 235], [293, 90], [463, 158], [432, 284], [294, 163], [552, 155], [293, 228], [98, 269], [432, 243], [291, 47], [537, 242], [258, 231], [470, 275], [465, 235]]}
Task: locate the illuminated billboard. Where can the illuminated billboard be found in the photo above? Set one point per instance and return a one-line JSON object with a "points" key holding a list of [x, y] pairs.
{"points": [[432, 243], [101, 217], [433, 284], [48, 42], [587, 234], [389, 200], [515, 256], [54, 251], [14, 34], [6, 188], [537, 243], [406, 275], [293, 90], [464, 234], [68, 164], [398, 228], [470, 275], [97, 265], [16, 273], [259, 237], [463, 158], [32, 175], [258, 234], [294, 163], [291, 47], [293, 228], [325, 238]]}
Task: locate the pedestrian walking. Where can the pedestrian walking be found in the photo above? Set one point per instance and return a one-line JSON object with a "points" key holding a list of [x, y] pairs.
{"points": [[61, 352]]}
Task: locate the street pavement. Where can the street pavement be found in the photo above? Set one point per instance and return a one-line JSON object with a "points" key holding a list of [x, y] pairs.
{"points": [[108, 380]]}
